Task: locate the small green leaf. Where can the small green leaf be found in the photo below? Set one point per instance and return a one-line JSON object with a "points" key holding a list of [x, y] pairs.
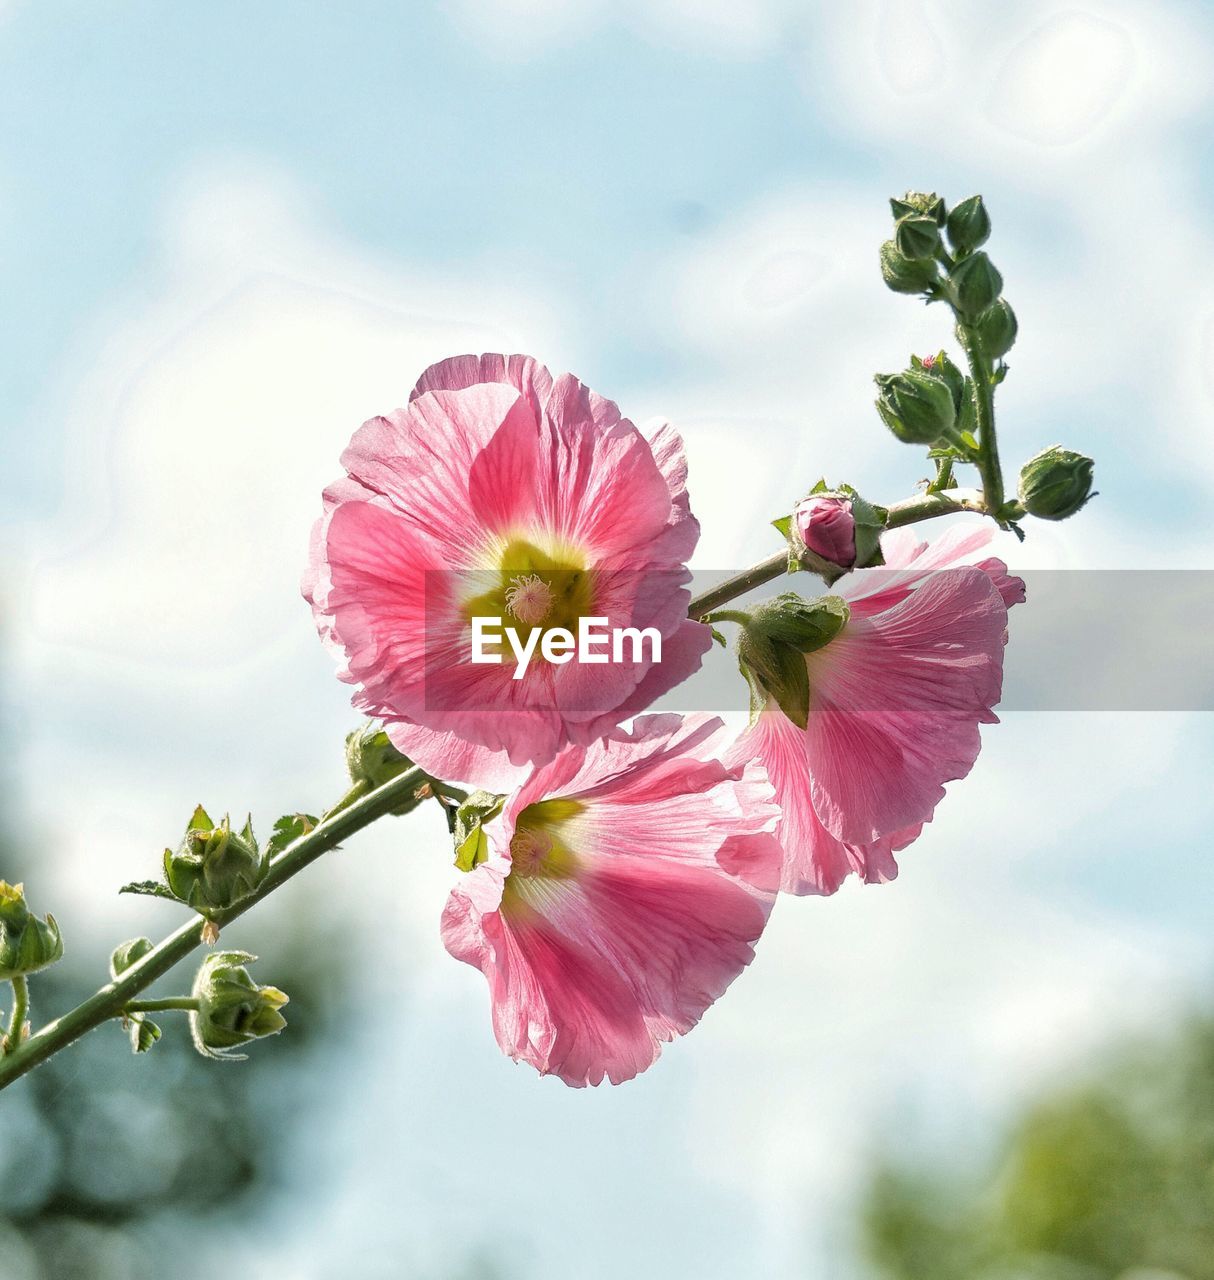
{"points": [[783, 526], [719, 638], [150, 888], [143, 1032], [288, 829]]}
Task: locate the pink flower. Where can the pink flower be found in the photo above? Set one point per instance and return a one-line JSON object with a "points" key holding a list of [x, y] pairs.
{"points": [[827, 527], [626, 885], [504, 493], [895, 702]]}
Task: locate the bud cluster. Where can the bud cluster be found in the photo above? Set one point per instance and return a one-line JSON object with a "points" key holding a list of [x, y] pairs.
{"points": [[937, 254]]}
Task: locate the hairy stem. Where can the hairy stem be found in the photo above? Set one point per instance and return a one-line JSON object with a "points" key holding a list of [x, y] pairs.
{"points": [[982, 373], [110, 1001], [187, 1003], [924, 506], [21, 1008]]}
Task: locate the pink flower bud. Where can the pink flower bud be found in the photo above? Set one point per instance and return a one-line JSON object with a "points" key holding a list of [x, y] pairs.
{"points": [[827, 528]]}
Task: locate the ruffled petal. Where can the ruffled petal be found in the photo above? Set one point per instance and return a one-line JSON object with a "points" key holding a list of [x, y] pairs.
{"points": [[674, 875], [895, 704], [814, 861]]}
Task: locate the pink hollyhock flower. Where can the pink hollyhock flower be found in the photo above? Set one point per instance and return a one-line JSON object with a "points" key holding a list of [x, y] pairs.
{"points": [[501, 492], [827, 527], [625, 887], [895, 702]]}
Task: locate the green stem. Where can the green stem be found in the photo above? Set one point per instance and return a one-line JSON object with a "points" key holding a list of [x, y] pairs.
{"points": [[356, 792], [109, 1001], [924, 506], [21, 1008], [727, 615], [159, 1006], [989, 467]]}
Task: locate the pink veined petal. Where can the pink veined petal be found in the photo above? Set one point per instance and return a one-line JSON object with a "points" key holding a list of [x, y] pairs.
{"points": [[524, 373], [455, 759], [491, 451], [590, 973], [683, 530], [895, 704], [814, 861], [909, 562]]}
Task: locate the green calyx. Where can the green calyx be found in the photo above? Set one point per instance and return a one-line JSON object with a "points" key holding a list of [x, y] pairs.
{"points": [[1056, 483], [917, 406], [471, 843], [968, 226], [974, 283], [214, 867], [372, 760], [27, 943], [232, 1009], [773, 643], [997, 328], [908, 275], [917, 236]]}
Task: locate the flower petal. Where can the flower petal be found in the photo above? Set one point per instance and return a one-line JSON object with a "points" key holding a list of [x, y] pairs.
{"points": [[895, 704], [590, 972]]}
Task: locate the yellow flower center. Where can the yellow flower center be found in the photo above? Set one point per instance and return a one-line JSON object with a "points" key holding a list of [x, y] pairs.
{"points": [[527, 586], [539, 846]]}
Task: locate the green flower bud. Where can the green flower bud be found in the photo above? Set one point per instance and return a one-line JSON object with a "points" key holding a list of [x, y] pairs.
{"points": [[975, 284], [907, 275], [969, 225], [127, 954], [997, 329], [371, 758], [1055, 483], [773, 645], [916, 406], [214, 867], [917, 236], [232, 1008], [927, 202], [27, 944]]}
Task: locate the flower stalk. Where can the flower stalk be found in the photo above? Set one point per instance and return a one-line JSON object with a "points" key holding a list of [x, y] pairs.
{"points": [[111, 1000]]}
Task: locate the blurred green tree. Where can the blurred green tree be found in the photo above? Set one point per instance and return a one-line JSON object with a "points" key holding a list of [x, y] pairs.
{"points": [[1109, 1179]]}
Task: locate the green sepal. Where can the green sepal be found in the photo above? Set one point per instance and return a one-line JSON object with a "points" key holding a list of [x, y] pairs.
{"points": [[471, 843], [783, 526], [201, 820], [870, 525], [719, 637], [773, 645]]}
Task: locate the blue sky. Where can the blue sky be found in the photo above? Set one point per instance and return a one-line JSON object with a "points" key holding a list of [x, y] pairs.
{"points": [[228, 233]]}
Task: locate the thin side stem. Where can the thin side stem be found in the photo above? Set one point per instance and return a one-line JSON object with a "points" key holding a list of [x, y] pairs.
{"points": [[187, 1003], [924, 506], [21, 1009], [110, 1000]]}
